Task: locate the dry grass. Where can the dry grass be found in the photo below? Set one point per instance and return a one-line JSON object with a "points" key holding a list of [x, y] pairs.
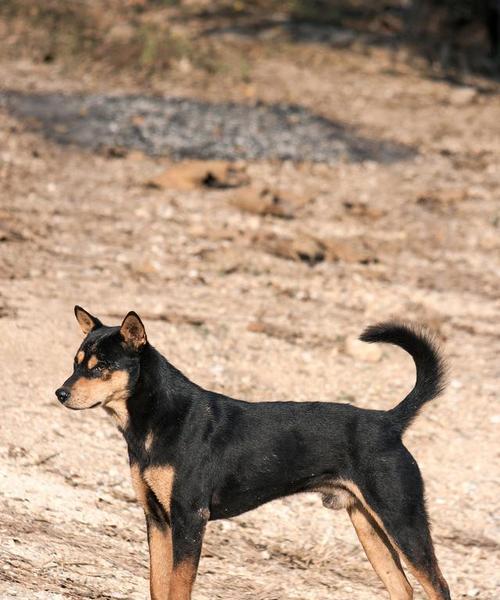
{"points": [[150, 38]]}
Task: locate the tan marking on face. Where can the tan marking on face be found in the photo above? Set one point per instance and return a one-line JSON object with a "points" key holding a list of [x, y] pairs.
{"points": [[148, 442], [80, 356], [110, 390], [161, 481], [140, 487], [116, 406], [92, 361], [160, 562], [381, 553], [182, 580]]}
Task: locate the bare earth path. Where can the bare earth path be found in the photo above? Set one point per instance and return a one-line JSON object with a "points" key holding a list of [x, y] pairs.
{"points": [[222, 298]]}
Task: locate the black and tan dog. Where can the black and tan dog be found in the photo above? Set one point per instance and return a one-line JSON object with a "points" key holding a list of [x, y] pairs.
{"points": [[196, 455]]}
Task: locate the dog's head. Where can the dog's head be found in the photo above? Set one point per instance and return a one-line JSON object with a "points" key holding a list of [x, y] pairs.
{"points": [[106, 365]]}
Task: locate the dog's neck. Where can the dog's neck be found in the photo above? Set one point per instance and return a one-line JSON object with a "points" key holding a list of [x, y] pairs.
{"points": [[161, 393], [160, 387]]}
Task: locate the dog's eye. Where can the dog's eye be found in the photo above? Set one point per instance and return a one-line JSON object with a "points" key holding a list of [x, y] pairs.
{"points": [[99, 367]]}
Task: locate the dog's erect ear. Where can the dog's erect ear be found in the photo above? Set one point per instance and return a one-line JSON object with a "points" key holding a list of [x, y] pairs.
{"points": [[133, 331], [86, 321]]}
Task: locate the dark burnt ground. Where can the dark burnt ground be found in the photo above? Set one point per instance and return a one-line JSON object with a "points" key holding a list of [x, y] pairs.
{"points": [[188, 128]]}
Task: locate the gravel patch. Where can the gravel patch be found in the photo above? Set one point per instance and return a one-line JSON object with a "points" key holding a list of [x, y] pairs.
{"points": [[187, 128]]}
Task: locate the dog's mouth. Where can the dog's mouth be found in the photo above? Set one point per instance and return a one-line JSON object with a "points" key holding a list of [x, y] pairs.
{"points": [[83, 407]]}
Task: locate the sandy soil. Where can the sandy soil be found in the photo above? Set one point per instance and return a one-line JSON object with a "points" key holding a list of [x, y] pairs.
{"points": [[233, 310]]}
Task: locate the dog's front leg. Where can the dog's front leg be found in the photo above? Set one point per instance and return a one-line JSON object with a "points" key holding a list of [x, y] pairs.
{"points": [[159, 536], [160, 559], [188, 527]]}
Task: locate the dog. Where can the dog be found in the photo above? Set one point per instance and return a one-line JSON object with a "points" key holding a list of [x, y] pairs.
{"points": [[196, 455]]}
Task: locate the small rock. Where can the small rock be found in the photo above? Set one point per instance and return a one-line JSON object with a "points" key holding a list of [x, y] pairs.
{"points": [[442, 198], [302, 247], [342, 38], [214, 234], [136, 155], [17, 451], [263, 201], [361, 350], [121, 33], [462, 96], [272, 330], [226, 260], [363, 209], [145, 267], [351, 250], [193, 174], [473, 593]]}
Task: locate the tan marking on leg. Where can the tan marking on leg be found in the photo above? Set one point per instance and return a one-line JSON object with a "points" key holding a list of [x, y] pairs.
{"points": [[92, 361], [160, 562], [432, 592], [425, 581], [358, 494], [161, 481], [140, 487], [80, 356], [380, 552], [148, 442], [159, 542], [182, 580]]}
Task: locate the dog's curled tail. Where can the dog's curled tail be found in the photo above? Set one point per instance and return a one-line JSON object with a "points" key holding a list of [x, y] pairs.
{"points": [[431, 368]]}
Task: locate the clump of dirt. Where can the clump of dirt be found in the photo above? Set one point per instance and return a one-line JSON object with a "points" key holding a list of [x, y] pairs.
{"points": [[193, 174]]}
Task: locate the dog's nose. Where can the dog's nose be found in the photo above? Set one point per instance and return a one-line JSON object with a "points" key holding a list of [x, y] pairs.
{"points": [[62, 395]]}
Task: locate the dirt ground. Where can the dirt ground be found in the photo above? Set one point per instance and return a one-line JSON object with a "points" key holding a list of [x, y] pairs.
{"points": [[258, 307]]}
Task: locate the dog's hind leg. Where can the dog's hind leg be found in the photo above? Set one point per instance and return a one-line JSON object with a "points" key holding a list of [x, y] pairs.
{"points": [[395, 500], [380, 552], [416, 548]]}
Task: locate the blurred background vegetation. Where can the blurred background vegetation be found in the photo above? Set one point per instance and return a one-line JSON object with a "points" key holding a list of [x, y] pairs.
{"points": [[149, 37]]}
